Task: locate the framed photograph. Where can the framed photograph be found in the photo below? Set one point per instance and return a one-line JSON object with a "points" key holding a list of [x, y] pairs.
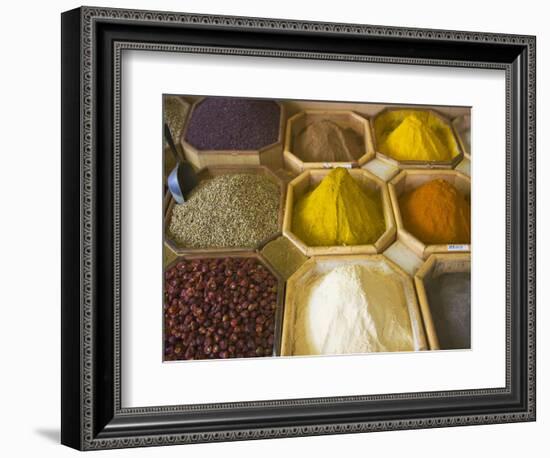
{"points": [[276, 228]]}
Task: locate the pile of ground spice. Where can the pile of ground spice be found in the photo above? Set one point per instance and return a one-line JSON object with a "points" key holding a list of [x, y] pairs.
{"points": [[338, 212], [449, 299], [414, 135], [326, 141], [283, 255], [226, 123], [227, 211], [436, 213], [352, 308]]}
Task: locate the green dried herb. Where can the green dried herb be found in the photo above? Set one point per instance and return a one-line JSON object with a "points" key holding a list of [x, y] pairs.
{"points": [[175, 112], [228, 211]]}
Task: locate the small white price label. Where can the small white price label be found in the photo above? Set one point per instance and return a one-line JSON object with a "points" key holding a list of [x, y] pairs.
{"points": [[458, 247], [329, 165]]}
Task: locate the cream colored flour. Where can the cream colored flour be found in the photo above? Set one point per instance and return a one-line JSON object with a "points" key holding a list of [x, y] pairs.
{"points": [[352, 309]]}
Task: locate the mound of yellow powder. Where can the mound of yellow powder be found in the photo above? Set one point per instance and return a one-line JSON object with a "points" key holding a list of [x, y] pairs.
{"points": [[436, 213], [339, 212], [413, 135]]}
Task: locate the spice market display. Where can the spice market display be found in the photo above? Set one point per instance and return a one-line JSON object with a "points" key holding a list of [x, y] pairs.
{"points": [[238, 284]]}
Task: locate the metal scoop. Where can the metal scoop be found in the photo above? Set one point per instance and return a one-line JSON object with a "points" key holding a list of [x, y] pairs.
{"points": [[183, 178]]}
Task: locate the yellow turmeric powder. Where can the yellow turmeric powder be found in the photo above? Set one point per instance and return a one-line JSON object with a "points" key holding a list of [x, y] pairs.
{"points": [[414, 135], [436, 213], [339, 212]]}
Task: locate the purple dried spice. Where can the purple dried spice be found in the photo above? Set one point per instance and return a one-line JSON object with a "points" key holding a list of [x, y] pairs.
{"points": [[227, 123]]}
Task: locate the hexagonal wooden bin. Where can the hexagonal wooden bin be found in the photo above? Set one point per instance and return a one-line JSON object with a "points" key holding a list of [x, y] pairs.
{"points": [[210, 172], [278, 317], [458, 154], [411, 179], [461, 126], [310, 179], [436, 265], [345, 119], [323, 264], [270, 155]]}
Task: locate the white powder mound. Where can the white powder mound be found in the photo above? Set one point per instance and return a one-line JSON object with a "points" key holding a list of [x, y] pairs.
{"points": [[352, 309]]}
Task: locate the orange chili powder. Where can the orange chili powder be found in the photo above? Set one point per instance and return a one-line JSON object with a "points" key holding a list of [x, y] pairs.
{"points": [[436, 213]]}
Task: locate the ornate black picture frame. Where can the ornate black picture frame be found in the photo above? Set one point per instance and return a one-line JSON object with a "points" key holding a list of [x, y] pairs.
{"points": [[92, 42]]}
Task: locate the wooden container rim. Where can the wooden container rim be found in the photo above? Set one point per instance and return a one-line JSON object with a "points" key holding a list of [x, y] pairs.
{"points": [[322, 111], [404, 173]]}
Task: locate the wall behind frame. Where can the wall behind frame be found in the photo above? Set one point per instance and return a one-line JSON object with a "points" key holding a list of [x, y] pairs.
{"points": [[30, 117]]}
